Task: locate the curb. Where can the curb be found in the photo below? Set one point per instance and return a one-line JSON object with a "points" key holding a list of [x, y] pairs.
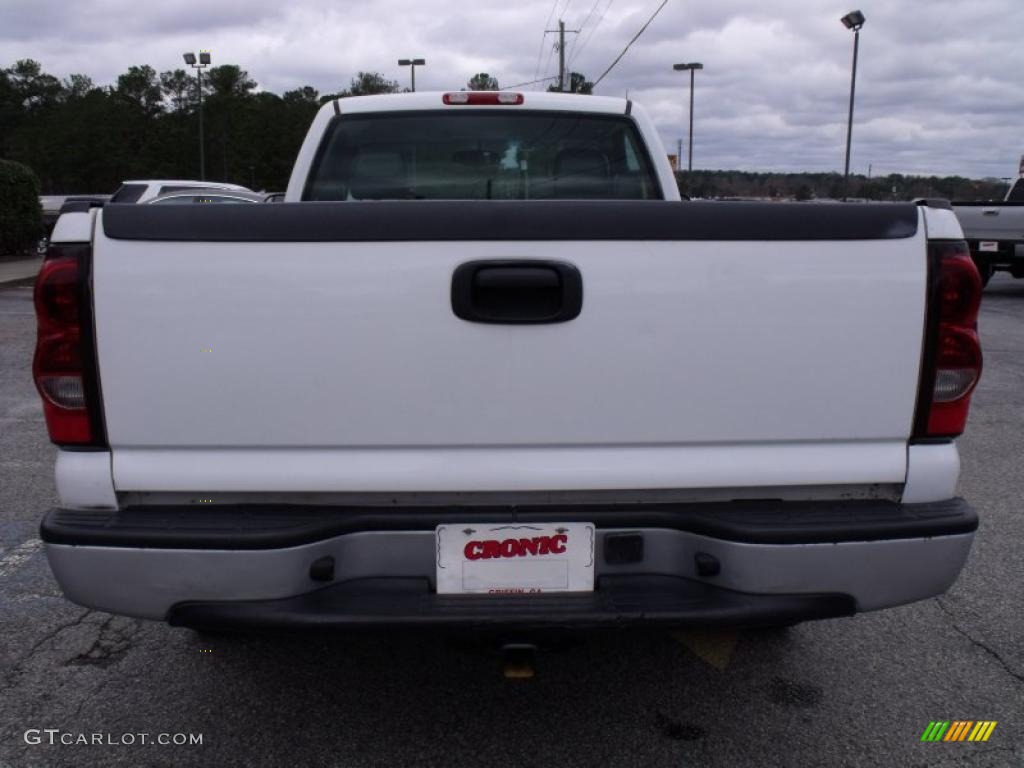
{"points": [[19, 276], [17, 282]]}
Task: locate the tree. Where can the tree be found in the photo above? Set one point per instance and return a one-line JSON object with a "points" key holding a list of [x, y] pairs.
{"points": [[369, 83], [178, 87], [77, 86], [804, 192], [31, 86], [482, 82], [21, 221], [12, 110], [307, 94], [578, 83], [141, 86], [230, 80]]}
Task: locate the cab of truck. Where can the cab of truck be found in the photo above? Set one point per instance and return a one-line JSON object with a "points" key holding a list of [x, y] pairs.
{"points": [[1015, 194]]}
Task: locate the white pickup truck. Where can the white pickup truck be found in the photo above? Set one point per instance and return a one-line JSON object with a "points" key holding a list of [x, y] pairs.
{"points": [[995, 232], [484, 368]]}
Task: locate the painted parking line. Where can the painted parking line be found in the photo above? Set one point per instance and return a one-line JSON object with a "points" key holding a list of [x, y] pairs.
{"points": [[18, 556], [714, 647]]}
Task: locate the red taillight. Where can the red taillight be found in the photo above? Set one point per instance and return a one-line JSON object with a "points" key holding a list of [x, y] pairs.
{"points": [[481, 98], [952, 362], [62, 367]]}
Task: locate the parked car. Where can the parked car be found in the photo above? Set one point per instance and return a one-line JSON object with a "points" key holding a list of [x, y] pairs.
{"points": [[500, 375], [208, 196], [995, 232], [142, 191]]}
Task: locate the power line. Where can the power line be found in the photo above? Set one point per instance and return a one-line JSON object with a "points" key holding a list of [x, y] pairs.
{"points": [[600, 18], [529, 82], [543, 37], [582, 27], [590, 13], [551, 51], [561, 50], [635, 38]]}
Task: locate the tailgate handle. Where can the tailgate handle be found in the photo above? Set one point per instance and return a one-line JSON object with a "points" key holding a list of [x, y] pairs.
{"points": [[989, 211], [514, 292]]}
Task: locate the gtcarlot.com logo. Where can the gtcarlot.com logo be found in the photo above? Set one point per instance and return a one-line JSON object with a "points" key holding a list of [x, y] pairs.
{"points": [[68, 738], [958, 730]]}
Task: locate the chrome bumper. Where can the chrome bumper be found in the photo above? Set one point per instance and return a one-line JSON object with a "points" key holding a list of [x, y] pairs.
{"points": [[150, 582]]}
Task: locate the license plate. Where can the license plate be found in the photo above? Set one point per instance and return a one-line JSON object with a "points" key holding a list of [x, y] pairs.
{"points": [[514, 558], [988, 245]]}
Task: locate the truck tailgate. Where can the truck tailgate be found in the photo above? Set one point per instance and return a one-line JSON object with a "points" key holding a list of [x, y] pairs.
{"points": [[991, 221], [712, 350]]}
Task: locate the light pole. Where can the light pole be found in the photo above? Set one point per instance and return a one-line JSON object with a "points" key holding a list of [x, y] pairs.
{"points": [[412, 63], [691, 68], [853, 20], [204, 61]]}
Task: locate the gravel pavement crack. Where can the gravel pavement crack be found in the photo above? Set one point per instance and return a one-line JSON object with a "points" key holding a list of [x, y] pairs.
{"points": [[975, 641], [96, 692], [114, 639], [48, 636]]}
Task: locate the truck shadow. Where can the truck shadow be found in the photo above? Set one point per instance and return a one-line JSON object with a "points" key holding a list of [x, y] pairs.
{"points": [[392, 694], [1002, 286]]}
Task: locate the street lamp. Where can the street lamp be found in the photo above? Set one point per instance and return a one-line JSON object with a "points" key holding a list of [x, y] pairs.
{"points": [[413, 63], [853, 20], [204, 61], [691, 68]]}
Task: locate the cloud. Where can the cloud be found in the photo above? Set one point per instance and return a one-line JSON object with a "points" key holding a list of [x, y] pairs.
{"points": [[938, 86]]}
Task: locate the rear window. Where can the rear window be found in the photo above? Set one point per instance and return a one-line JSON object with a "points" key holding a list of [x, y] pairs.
{"points": [[1016, 192], [128, 193], [171, 188], [482, 155]]}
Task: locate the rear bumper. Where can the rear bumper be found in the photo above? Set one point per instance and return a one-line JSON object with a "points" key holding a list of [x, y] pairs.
{"points": [[1010, 253], [251, 566], [618, 601]]}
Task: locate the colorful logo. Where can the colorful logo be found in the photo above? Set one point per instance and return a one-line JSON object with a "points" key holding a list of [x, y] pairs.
{"points": [[958, 730]]}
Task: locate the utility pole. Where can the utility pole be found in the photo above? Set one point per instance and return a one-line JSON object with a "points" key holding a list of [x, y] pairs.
{"points": [[202, 143], [853, 20], [689, 160], [204, 61], [692, 67], [561, 52], [561, 56], [412, 64]]}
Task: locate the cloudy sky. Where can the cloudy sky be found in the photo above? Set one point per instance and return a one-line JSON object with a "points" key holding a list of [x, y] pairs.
{"points": [[940, 86]]}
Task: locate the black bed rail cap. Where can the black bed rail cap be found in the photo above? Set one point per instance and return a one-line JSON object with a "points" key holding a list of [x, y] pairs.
{"points": [[933, 202], [429, 220], [82, 204]]}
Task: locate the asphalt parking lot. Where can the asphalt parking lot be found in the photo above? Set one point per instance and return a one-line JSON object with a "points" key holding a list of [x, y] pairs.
{"points": [[856, 691]]}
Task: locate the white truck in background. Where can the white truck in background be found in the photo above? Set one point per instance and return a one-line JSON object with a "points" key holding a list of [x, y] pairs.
{"points": [[145, 190], [133, 191], [484, 368]]}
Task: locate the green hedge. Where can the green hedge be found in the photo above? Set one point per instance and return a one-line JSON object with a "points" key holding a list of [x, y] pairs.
{"points": [[21, 218]]}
